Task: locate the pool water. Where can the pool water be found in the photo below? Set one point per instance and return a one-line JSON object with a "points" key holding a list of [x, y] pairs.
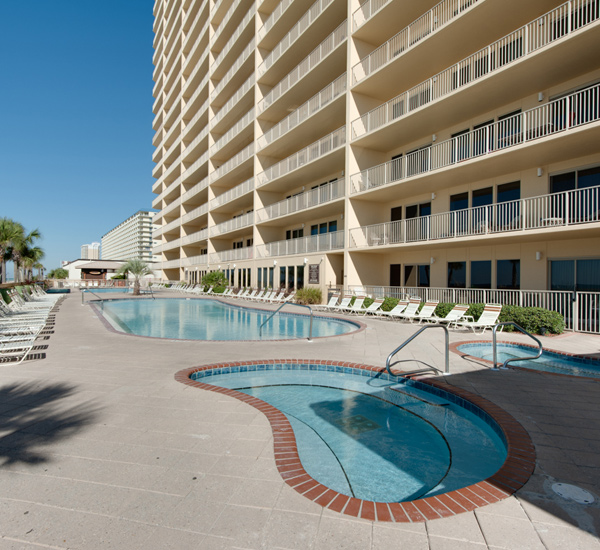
{"points": [[548, 362], [370, 437], [187, 319], [118, 290]]}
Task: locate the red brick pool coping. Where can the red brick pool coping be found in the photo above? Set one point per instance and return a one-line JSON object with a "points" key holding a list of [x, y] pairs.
{"points": [[514, 473]]}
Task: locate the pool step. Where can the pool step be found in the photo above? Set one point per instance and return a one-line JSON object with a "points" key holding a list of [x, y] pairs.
{"points": [[405, 395]]}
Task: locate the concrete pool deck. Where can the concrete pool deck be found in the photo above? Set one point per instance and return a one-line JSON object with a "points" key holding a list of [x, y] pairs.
{"points": [[102, 448]]}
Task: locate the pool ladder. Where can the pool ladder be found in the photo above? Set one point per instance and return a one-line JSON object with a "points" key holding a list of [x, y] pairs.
{"points": [[277, 311], [526, 358], [428, 368]]}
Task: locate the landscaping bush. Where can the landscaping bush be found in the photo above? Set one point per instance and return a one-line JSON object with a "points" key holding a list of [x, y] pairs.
{"points": [[308, 296], [389, 304], [215, 279]]}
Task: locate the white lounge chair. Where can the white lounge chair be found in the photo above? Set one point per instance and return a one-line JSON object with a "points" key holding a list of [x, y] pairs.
{"points": [[487, 319], [344, 303], [411, 309], [331, 303], [373, 307], [458, 312], [426, 313], [357, 306], [395, 311]]}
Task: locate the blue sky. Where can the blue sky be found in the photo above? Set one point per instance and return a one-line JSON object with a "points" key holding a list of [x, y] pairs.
{"points": [[75, 118]]}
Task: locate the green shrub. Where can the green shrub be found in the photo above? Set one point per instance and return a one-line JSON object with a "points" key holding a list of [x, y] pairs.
{"points": [[214, 279], [219, 289], [308, 295], [389, 304], [368, 301]]}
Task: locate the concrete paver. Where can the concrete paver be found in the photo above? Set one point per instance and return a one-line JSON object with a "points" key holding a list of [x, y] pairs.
{"points": [[101, 448]]}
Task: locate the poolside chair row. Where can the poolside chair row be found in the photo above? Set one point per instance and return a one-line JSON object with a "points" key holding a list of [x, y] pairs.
{"points": [[409, 310], [29, 312]]}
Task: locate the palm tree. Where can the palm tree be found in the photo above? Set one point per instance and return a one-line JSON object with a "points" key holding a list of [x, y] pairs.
{"points": [[22, 245], [10, 233], [31, 256], [137, 269]]}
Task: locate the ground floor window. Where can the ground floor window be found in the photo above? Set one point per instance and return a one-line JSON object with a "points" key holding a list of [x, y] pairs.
{"points": [[575, 275], [457, 274], [481, 274], [299, 277], [508, 274], [416, 275]]}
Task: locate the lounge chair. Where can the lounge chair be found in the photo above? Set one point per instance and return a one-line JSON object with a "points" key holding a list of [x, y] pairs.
{"points": [[332, 302], [426, 313], [357, 306], [395, 311], [487, 319], [343, 305], [457, 313], [278, 298], [411, 309], [373, 307]]}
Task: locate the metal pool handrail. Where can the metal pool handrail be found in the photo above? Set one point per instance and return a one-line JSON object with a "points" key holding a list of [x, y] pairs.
{"points": [[526, 358], [83, 291], [430, 367], [277, 311]]}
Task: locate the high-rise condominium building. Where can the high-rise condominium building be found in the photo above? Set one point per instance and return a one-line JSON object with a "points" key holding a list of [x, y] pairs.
{"points": [[131, 239], [90, 251], [446, 149]]}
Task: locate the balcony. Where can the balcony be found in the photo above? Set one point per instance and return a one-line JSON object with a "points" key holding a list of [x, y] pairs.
{"points": [[233, 163], [242, 91], [232, 225], [273, 18], [314, 197], [232, 255], [558, 117], [304, 112], [246, 120], [198, 236], [521, 44], [309, 63], [233, 194], [325, 242], [570, 209], [409, 37], [192, 261], [194, 214], [309, 154], [233, 39]]}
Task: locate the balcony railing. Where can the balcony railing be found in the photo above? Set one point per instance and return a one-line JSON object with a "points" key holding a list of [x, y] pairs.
{"points": [[248, 51], [233, 131], [200, 186], [337, 37], [232, 225], [314, 151], [273, 18], [233, 163], [233, 100], [294, 33], [232, 255], [194, 260], [198, 236], [304, 245], [521, 43], [236, 34], [304, 112], [238, 191], [560, 115], [314, 197], [366, 11], [234, 6], [428, 23], [581, 206], [195, 213]]}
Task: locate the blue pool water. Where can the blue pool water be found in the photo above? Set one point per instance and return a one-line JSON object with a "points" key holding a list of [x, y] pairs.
{"points": [[370, 437], [548, 362], [186, 319]]}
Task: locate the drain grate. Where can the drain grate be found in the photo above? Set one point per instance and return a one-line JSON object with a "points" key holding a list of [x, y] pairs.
{"points": [[572, 492]]}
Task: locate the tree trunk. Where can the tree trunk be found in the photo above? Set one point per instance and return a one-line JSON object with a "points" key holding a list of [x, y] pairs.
{"points": [[136, 288]]}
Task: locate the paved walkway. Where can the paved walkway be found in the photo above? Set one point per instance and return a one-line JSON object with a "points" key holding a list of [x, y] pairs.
{"points": [[101, 448]]}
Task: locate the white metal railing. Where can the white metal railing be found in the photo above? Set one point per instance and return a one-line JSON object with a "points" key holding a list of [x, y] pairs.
{"points": [[192, 76], [192, 28], [366, 11], [201, 235], [560, 115], [248, 51], [196, 141], [232, 255], [170, 264], [233, 163], [314, 151], [337, 37], [273, 18], [195, 213], [193, 97], [234, 99], [197, 164], [200, 186], [194, 260], [580, 310], [233, 131], [314, 197], [232, 225], [236, 34], [303, 245], [428, 23], [304, 112], [234, 6], [293, 34], [521, 43], [238, 191], [167, 227], [580, 206]]}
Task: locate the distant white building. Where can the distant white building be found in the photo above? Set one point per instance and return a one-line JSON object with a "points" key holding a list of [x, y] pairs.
{"points": [[131, 239], [90, 251]]}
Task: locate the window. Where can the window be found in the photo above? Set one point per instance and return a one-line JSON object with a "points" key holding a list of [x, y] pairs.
{"points": [[459, 222], [584, 202], [457, 274], [417, 161], [395, 275], [290, 281], [259, 281], [294, 233], [509, 129], [282, 277], [508, 274], [418, 221], [396, 168], [323, 227], [509, 207], [271, 276], [481, 274], [332, 226], [299, 277], [575, 275], [416, 275], [314, 229]]}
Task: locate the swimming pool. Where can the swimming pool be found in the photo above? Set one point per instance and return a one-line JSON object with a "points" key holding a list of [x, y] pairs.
{"points": [[554, 362], [361, 434], [191, 319]]}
